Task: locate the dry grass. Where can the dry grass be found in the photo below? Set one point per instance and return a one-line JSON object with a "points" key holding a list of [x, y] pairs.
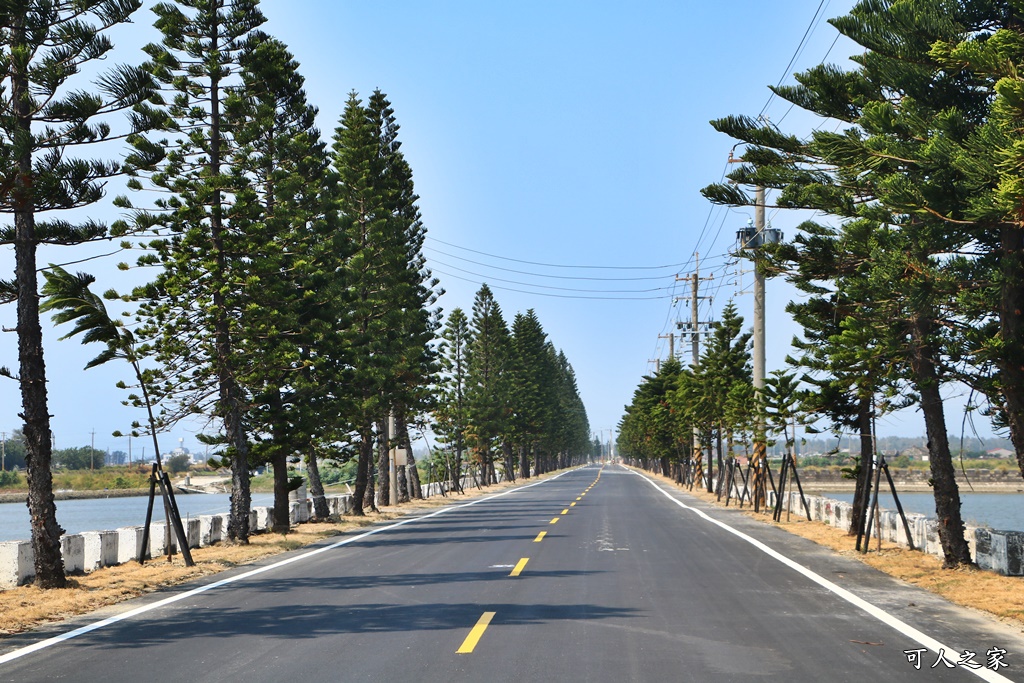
{"points": [[26, 607], [1002, 596]]}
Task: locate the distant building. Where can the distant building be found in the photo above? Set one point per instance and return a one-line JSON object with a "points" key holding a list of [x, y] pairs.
{"points": [[1002, 453], [915, 453], [180, 450]]}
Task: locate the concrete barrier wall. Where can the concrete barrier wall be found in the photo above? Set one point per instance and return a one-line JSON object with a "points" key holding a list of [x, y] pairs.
{"points": [[994, 550], [94, 549]]}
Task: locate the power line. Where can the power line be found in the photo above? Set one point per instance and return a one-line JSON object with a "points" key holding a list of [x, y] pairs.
{"points": [[556, 265], [556, 296], [796, 53], [564, 289], [556, 277]]}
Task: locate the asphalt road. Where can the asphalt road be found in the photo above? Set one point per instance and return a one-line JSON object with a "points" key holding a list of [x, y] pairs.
{"points": [[596, 575]]}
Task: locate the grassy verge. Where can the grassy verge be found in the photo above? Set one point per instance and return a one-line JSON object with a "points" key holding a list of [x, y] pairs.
{"points": [[26, 607], [1001, 596]]}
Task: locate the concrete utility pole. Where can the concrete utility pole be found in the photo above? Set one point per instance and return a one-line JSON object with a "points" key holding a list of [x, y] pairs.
{"points": [[759, 293], [694, 329], [3, 451], [760, 440], [92, 450], [671, 336], [392, 461]]}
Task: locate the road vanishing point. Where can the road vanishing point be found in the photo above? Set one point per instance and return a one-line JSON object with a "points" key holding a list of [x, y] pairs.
{"points": [[597, 574]]}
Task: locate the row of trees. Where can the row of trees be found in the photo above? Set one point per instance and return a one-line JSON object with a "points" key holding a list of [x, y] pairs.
{"points": [[507, 394], [291, 305], [919, 278]]}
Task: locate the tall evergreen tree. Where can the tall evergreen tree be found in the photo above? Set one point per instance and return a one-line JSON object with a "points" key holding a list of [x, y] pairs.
{"points": [[391, 325], [290, 290], [192, 306], [414, 294], [892, 185], [44, 47], [528, 381], [451, 413], [487, 387]]}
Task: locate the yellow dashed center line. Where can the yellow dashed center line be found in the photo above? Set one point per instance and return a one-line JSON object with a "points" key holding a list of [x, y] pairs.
{"points": [[554, 521], [520, 567], [540, 537], [572, 505], [580, 498], [565, 511], [474, 636]]}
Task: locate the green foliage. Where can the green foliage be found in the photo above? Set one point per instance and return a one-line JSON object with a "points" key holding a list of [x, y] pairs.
{"points": [[176, 464], [10, 480], [81, 458], [488, 400], [451, 414]]}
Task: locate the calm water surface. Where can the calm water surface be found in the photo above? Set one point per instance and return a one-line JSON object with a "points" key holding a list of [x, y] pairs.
{"points": [[97, 514], [997, 510]]}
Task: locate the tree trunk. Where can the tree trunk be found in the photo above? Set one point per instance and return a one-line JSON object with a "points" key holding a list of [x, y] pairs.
{"points": [[1011, 329], [316, 487], [711, 464], [383, 465], [863, 487], [718, 458], [413, 474], [510, 460], [403, 484], [524, 463], [49, 565], [241, 497], [282, 512], [279, 463], [362, 470], [947, 495], [457, 468]]}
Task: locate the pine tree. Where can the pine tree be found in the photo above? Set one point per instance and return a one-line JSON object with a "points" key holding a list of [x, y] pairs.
{"points": [[487, 387], [528, 396], [894, 187], [451, 414], [291, 288], [390, 324], [192, 307], [414, 295], [990, 48], [44, 45]]}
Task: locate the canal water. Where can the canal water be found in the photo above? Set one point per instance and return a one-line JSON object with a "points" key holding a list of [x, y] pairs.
{"points": [[996, 510], [97, 514], [1004, 511]]}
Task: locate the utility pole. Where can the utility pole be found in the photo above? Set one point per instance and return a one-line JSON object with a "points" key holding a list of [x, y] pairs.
{"points": [[760, 438], [392, 460], [694, 329], [92, 450], [671, 336], [3, 451]]}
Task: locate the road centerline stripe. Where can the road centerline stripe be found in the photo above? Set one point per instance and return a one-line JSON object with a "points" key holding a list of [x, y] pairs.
{"points": [[540, 537], [554, 521], [474, 635], [565, 511], [88, 628], [520, 566]]}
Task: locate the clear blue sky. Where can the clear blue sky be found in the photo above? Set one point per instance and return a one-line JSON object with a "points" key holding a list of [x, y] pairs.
{"points": [[561, 132]]}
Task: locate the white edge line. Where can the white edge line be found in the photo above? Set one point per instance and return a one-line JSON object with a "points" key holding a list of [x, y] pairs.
{"points": [[877, 612], [49, 642]]}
